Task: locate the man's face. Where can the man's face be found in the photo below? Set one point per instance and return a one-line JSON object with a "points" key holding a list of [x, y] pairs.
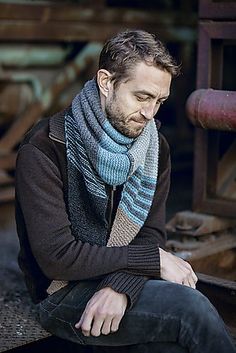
{"points": [[134, 102]]}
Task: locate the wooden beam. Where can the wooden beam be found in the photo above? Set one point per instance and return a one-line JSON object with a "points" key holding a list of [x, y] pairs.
{"points": [[70, 12], [8, 161], [222, 294], [7, 194], [67, 31], [70, 22]]}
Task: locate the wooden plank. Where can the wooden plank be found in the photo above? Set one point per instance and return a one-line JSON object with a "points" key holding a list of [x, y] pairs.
{"points": [[8, 161], [217, 9], [7, 194], [222, 294], [5, 179], [71, 12], [218, 282], [90, 31], [70, 22]]}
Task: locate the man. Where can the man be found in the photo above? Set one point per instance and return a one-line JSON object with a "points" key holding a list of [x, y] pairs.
{"points": [[91, 188]]}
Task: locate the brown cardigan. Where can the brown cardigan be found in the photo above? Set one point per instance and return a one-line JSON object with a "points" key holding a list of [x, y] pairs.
{"points": [[49, 250]]}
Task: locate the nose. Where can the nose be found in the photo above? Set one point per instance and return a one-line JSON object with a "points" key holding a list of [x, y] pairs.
{"points": [[149, 111]]}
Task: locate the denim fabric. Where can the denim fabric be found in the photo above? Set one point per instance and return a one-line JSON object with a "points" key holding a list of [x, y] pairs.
{"points": [[167, 318]]}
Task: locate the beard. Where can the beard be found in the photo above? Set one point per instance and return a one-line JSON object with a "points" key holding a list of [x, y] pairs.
{"points": [[120, 121]]}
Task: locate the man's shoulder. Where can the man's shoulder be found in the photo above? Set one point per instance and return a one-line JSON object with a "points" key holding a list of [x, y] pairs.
{"points": [[164, 151], [45, 131], [164, 146], [47, 137]]}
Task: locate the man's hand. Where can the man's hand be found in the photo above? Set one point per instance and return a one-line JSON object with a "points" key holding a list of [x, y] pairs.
{"points": [[103, 313], [176, 270]]}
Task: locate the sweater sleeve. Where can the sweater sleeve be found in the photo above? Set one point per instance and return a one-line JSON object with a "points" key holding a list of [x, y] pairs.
{"points": [[125, 283], [153, 232], [39, 190]]}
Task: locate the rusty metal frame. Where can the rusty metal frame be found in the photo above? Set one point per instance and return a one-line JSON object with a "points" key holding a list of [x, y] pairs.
{"points": [[209, 9], [212, 36]]}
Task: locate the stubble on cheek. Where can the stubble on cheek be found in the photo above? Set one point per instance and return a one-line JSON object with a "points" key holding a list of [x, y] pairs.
{"points": [[124, 124]]}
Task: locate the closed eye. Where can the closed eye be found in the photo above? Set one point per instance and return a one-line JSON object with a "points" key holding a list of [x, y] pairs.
{"points": [[161, 101], [143, 98]]}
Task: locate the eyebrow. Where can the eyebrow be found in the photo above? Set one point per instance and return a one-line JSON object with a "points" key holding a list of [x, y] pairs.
{"points": [[144, 92]]}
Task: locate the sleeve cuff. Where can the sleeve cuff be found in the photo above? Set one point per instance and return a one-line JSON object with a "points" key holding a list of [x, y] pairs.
{"points": [[144, 259], [125, 283]]}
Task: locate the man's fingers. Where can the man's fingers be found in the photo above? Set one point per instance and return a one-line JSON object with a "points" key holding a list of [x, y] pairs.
{"points": [[106, 327], [189, 278], [86, 323], [192, 279], [177, 270], [96, 326], [97, 317], [195, 277], [115, 323], [78, 324], [191, 282], [191, 274]]}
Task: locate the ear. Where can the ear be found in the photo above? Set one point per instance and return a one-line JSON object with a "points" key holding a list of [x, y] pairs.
{"points": [[104, 81]]}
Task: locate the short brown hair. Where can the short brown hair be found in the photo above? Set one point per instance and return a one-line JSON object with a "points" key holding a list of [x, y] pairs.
{"points": [[123, 51]]}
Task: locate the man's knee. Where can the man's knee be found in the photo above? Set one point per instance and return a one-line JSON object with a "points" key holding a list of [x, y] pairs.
{"points": [[197, 303], [166, 297], [196, 310]]}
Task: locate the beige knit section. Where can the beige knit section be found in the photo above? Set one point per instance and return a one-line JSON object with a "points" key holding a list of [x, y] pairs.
{"points": [[55, 286], [123, 230]]}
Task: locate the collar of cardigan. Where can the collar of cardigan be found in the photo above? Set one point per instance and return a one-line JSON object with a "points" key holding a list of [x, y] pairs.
{"points": [[57, 126]]}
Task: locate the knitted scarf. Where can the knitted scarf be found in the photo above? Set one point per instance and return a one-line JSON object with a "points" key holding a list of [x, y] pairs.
{"points": [[99, 158], [103, 156]]}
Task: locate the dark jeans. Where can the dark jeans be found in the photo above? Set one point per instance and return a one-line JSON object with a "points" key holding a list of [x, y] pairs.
{"points": [[167, 318]]}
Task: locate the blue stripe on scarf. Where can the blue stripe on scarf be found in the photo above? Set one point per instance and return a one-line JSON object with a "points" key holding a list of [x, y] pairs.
{"points": [[136, 216], [142, 195], [148, 183]]}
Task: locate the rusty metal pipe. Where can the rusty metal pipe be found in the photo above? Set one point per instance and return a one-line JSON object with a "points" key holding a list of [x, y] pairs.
{"points": [[212, 109]]}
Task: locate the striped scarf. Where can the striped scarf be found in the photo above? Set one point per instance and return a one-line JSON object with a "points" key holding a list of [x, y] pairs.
{"points": [[103, 156], [99, 157]]}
